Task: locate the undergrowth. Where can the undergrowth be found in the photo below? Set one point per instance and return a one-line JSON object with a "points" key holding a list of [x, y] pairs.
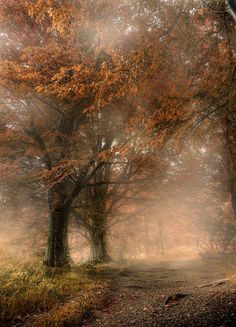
{"points": [[39, 296]]}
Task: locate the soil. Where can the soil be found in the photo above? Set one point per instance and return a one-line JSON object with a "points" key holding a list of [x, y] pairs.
{"points": [[178, 293]]}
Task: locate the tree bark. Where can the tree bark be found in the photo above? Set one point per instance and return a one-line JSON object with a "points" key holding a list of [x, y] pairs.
{"points": [[98, 239], [57, 251]]}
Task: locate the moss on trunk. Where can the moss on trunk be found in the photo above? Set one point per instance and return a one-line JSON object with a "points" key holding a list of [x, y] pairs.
{"points": [[57, 251]]}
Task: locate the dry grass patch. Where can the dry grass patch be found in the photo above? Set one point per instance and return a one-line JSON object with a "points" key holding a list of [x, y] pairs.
{"points": [[40, 296]]}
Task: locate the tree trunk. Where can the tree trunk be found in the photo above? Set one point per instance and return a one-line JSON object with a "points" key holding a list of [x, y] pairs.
{"points": [[98, 239], [160, 238], [233, 197], [231, 158], [57, 251]]}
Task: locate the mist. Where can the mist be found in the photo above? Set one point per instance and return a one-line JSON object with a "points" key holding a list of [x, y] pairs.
{"points": [[180, 216], [117, 163]]}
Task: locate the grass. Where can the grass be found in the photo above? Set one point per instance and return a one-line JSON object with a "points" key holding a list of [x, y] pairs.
{"points": [[42, 297]]}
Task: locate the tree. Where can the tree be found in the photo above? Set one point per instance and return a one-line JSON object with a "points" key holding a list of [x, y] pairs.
{"points": [[53, 83], [64, 64], [126, 171], [218, 103]]}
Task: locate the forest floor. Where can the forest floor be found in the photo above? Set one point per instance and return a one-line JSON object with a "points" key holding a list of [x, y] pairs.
{"points": [[157, 293], [177, 293]]}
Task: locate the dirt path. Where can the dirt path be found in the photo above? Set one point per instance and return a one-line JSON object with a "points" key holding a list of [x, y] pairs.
{"points": [[169, 294]]}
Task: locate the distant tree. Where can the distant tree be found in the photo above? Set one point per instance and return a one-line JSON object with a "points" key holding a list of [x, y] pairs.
{"points": [[128, 172]]}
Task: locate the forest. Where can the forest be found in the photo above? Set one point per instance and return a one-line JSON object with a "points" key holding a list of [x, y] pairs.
{"points": [[118, 163]]}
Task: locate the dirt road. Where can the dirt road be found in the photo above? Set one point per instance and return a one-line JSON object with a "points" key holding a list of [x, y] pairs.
{"points": [[169, 294]]}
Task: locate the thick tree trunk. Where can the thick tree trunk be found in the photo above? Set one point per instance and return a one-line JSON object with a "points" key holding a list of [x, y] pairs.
{"points": [[98, 239], [57, 251]]}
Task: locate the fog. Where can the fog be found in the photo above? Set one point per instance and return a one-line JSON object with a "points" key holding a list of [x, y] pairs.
{"points": [[186, 214]]}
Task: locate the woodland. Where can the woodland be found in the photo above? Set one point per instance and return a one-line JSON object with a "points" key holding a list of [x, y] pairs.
{"points": [[117, 163]]}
